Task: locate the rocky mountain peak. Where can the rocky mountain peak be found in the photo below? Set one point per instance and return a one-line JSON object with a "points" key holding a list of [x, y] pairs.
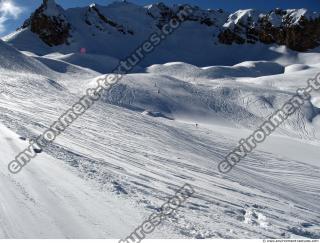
{"points": [[49, 3], [50, 23], [50, 8]]}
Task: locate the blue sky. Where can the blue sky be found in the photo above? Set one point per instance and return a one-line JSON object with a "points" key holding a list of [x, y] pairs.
{"points": [[14, 12]]}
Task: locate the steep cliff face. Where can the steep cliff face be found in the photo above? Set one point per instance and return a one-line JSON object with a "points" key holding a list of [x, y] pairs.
{"points": [[297, 29]]}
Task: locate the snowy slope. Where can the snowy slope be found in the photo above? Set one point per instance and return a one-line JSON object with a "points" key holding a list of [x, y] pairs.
{"points": [[12, 59], [120, 161], [48, 200]]}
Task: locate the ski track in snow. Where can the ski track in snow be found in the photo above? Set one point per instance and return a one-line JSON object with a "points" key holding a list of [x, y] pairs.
{"points": [[116, 165]]}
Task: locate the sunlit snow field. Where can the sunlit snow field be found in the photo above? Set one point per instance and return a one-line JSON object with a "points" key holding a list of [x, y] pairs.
{"points": [[117, 164]]}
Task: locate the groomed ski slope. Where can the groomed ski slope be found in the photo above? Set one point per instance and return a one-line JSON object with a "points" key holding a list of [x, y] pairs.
{"points": [[48, 200], [117, 164]]}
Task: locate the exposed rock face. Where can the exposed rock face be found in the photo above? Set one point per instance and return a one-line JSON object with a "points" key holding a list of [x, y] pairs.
{"points": [[50, 23], [94, 17], [162, 14], [297, 29]]}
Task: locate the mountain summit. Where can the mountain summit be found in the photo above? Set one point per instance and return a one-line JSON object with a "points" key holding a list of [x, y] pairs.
{"points": [[50, 23]]}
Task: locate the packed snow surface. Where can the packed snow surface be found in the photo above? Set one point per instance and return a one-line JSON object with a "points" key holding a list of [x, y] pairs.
{"points": [[161, 127]]}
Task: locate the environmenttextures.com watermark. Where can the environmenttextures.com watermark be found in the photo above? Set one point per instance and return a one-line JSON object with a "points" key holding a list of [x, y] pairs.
{"points": [[155, 219], [94, 94], [247, 145]]}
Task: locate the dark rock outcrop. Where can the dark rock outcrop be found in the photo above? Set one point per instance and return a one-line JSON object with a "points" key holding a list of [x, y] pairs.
{"points": [[297, 33], [50, 24], [162, 14], [94, 11]]}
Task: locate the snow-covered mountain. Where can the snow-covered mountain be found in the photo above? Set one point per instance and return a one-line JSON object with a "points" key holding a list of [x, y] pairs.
{"points": [[165, 124], [206, 38], [283, 27]]}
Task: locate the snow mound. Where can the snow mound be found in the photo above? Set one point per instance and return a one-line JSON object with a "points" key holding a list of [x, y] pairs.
{"points": [[296, 68], [99, 63], [263, 68], [209, 95], [245, 69]]}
